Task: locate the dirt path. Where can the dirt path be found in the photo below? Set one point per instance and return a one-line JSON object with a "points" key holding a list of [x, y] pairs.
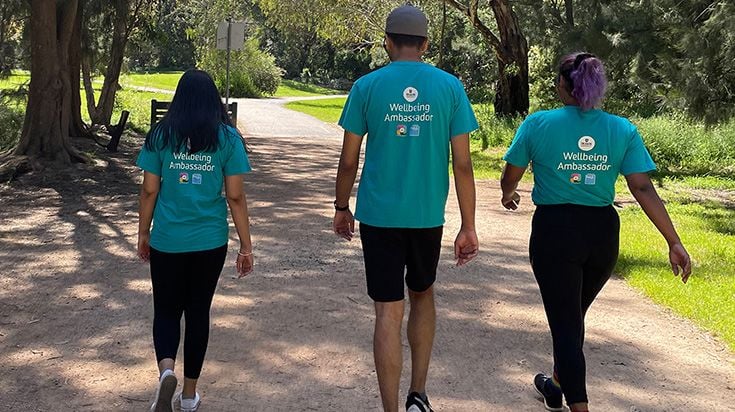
{"points": [[75, 306]]}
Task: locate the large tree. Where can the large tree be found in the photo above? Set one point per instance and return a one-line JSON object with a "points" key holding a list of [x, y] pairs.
{"points": [[511, 52], [124, 17], [45, 135]]}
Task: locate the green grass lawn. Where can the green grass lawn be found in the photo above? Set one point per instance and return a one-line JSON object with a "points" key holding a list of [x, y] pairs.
{"points": [[292, 88], [15, 80], [326, 110], [708, 232], [160, 80]]}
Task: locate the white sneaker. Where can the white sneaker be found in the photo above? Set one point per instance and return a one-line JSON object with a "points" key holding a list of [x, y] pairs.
{"points": [[165, 392], [190, 405]]}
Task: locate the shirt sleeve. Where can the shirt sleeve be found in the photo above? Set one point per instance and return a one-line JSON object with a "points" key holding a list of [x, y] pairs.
{"points": [[354, 119], [637, 159], [519, 153], [150, 161], [237, 163], [463, 119]]}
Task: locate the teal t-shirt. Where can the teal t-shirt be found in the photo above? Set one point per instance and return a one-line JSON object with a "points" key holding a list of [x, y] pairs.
{"points": [[191, 212], [410, 111], [577, 155]]}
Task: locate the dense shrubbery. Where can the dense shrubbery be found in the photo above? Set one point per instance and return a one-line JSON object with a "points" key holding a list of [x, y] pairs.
{"points": [[253, 73], [678, 145], [682, 147], [11, 123]]}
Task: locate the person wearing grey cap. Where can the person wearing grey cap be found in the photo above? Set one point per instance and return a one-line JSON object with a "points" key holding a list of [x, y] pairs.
{"points": [[412, 114]]}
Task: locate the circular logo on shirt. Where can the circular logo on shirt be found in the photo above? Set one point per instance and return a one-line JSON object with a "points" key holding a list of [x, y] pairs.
{"points": [[586, 143], [410, 94]]}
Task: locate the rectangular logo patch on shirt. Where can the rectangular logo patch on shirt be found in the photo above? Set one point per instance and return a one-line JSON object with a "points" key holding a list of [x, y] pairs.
{"points": [[196, 179], [590, 179], [414, 131]]}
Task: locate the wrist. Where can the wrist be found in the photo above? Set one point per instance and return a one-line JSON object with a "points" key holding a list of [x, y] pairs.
{"points": [[674, 242], [341, 207], [467, 228]]}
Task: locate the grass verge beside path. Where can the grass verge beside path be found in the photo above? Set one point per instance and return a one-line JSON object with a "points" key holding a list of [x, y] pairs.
{"points": [[326, 110], [708, 231], [292, 88]]}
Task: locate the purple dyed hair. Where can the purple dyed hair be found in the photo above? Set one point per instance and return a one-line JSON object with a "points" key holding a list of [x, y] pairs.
{"points": [[585, 78]]}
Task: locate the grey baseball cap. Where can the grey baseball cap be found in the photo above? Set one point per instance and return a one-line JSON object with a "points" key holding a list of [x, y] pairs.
{"points": [[408, 20]]}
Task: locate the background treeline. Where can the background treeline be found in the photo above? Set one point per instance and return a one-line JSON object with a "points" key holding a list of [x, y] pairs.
{"points": [[662, 55], [669, 61]]}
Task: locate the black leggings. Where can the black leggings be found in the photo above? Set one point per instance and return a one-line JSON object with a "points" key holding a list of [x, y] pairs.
{"points": [[184, 283], [573, 253]]}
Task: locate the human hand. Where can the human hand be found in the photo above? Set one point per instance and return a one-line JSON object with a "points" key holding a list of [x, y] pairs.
{"points": [[466, 246], [511, 202], [344, 224], [144, 246], [244, 263], [681, 263]]}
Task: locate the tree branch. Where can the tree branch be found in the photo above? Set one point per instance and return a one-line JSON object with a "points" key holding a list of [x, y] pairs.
{"points": [[487, 34]]}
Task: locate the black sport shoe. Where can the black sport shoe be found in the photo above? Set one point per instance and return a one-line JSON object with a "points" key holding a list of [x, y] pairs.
{"points": [[551, 394], [415, 403]]}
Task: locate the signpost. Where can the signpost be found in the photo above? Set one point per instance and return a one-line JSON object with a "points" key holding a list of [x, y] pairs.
{"points": [[230, 36]]}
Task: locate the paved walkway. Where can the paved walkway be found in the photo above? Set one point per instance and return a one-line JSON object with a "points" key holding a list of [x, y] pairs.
{"points": [[269, 117]]}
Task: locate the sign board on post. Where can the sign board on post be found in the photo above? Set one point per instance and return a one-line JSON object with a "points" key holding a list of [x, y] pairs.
{"points": [[237, 35], [230, 36]]}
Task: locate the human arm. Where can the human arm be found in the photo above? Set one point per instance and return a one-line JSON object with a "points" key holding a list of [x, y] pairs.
{"points": [[148, 195], [349, 161], [643, 190], [236, 199], [466, 245], [509, 184]]}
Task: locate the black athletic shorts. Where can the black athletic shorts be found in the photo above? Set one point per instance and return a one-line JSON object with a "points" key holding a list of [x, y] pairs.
{"points": [[392, 252]]}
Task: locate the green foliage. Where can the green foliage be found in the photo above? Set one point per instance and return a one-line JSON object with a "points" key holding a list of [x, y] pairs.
{"points": [[291, 88], [162, 42], [680, 146], [494, 131], [708, 231], [11, 122], [253, 73]]}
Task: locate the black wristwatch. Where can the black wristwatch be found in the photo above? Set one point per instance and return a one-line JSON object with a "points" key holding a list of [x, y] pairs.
{"points": [[341, 209]]}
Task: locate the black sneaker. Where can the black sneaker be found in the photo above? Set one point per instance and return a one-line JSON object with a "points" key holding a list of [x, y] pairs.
{"points": [[551, 394], [415, 403]]}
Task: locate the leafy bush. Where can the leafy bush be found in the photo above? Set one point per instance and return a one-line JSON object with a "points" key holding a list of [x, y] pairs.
{"points": [[253, 72], [494, 132], [11, 123]]}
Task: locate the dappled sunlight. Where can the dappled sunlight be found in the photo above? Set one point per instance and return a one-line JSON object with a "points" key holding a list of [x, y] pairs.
{"points": [[297, 331]]}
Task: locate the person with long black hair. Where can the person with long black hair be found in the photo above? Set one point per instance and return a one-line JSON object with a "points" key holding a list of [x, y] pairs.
{"points": [[187, 158], [577, 152]]}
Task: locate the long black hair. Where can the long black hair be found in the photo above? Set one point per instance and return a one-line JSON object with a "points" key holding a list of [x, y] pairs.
{"points": [[194, 119]]}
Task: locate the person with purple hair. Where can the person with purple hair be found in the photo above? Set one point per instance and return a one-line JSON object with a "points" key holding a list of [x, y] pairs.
{"points": [[577, 153]]}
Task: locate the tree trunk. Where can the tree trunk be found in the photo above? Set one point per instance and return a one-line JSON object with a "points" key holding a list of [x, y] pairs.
{"points": [[511, 98], [77, 127], [45, 133], [103, 111], [511, 52]]}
